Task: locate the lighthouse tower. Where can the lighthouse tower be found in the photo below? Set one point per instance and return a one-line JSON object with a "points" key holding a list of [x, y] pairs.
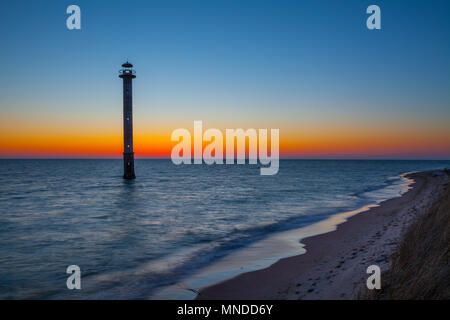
{"points": [[128, 74]]}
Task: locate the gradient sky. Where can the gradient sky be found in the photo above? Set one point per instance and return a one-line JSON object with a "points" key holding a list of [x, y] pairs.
{"points": [[310, 68]]}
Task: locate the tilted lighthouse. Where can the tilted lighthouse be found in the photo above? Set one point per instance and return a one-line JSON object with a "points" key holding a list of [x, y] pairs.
{"points": [[128, 74]]}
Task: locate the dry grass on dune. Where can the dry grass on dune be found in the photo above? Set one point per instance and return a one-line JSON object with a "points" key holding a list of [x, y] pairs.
{"points": [[420, 268]]}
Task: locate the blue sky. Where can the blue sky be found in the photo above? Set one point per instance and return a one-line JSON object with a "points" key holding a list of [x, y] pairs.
{"points": [[249, 63]]}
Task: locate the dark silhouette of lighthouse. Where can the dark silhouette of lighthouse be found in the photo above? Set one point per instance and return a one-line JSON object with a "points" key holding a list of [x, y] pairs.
{"points": [[127, 74]]}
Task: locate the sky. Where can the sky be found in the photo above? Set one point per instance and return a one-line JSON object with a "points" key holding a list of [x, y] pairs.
{"points": [[311, 69]]}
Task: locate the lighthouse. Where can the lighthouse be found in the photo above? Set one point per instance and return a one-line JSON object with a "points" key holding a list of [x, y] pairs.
{"points": [[127, 73]]}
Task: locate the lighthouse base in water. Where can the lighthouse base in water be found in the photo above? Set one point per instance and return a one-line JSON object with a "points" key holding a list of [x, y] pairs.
{"points": [[128, 166]]}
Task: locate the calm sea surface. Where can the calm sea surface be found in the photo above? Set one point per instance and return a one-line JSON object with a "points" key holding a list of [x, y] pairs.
{"points": [[131, 238]]}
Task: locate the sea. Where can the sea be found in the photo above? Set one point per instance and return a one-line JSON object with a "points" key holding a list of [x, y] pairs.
{"points": [[154, 237]]}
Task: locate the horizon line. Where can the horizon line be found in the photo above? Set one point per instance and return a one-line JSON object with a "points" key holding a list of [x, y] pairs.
{"points": [[281, 158]]}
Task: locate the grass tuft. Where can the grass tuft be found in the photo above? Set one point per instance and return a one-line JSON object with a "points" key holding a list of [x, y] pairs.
{"points": [[420, 267]]}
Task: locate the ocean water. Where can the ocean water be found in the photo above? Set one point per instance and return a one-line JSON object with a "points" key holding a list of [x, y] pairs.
{"points": [[132, 238]]}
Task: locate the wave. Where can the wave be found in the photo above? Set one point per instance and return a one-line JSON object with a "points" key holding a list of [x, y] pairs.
{"points": [[171, 269]]}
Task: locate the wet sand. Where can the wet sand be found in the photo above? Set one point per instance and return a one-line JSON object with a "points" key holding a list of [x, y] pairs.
{"points": [[334, 265]]}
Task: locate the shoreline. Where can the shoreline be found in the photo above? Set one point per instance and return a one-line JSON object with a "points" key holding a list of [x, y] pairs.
{"points": [[267, 251], [335, 262]]}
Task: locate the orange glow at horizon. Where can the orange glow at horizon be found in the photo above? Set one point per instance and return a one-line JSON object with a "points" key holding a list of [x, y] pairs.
{"points": [[41, 136], [293, 143]]}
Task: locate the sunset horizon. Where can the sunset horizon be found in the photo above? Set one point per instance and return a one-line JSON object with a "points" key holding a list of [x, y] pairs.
{"points": [[377, 101], [248, 154]]}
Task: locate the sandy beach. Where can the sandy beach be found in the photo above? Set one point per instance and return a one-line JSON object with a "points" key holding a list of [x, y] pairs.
{"points": [[334, 265]]}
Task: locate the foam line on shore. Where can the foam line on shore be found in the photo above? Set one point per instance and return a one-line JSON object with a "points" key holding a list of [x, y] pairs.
{"points": [[335, 265], [263, 253]]}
